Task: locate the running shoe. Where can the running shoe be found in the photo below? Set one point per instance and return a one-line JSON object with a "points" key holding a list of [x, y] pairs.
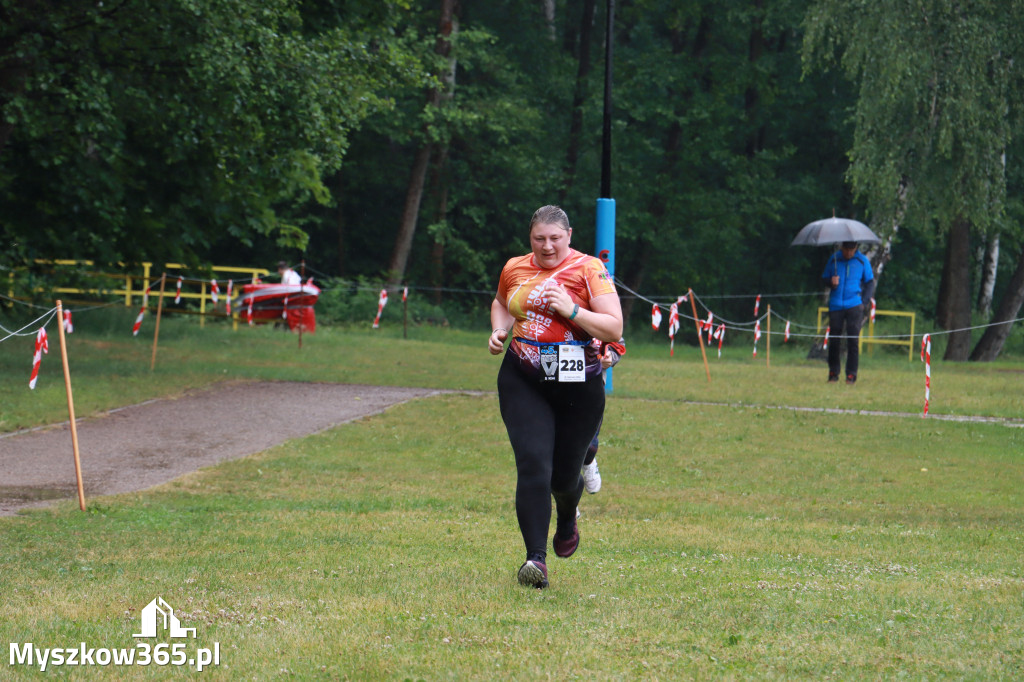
{"points": [[533, 574], [564, 547], [851, 378], [591, 477], [832, 378]]}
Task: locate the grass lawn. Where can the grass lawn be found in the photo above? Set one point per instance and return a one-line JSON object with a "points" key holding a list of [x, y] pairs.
{"points": [[730, 540]]}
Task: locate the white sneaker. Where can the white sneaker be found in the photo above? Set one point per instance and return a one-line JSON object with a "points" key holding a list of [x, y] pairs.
{"points": [[591, 477]]}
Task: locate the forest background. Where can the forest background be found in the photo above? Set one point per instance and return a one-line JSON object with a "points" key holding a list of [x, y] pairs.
{"points": [[408, 142]]}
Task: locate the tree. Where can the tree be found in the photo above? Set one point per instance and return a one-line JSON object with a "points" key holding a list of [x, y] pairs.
{"points": [[932, 119], [442, 92], [989, 258], [992, 341], [722, 151], [572, 147], [154, 129]]}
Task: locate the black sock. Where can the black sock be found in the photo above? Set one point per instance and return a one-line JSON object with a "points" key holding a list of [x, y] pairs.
{"points": [[535, 556], [564, 529]]}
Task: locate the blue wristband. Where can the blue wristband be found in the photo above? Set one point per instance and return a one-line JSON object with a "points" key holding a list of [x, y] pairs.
{"points": [[575, 310]]}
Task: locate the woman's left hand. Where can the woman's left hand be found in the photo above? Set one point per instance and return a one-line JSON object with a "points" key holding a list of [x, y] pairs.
{"points": [[558, 299]]}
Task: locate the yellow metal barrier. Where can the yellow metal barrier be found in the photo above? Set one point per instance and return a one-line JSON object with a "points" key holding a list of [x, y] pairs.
{"points": [[908, 342], [130, 290]]}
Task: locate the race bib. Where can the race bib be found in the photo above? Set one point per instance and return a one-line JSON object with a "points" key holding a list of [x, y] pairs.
{"points": [[562, 363], [571, 364]]}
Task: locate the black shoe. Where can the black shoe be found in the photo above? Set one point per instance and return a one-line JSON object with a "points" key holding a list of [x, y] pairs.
{"points": [[833, 378], [851, 379], [533, 574]]}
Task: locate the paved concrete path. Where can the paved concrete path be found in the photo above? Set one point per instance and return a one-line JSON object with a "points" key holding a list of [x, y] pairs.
{"points": [[139, 446]]}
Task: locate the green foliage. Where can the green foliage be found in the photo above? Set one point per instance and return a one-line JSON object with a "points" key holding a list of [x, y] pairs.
{"points": [[153, 129], [936, 103], [246, 132]]}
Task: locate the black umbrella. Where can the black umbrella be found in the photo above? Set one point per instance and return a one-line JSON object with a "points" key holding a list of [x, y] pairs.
{"points": [[835, 231]]}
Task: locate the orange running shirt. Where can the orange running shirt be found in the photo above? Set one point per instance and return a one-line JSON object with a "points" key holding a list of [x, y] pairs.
{"points": [[584, 277]]}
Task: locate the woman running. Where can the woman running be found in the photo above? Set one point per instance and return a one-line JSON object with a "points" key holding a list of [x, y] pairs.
{"points": [[552, 302]]}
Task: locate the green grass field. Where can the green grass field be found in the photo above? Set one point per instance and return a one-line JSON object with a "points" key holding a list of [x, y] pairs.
{"points": [[730, 540]]}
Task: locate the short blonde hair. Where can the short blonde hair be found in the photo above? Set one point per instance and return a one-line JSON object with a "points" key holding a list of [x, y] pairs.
{"points": [[550, 215]]}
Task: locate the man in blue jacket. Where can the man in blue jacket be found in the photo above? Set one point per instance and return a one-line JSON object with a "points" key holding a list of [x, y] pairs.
{"points": [[848, 275]]}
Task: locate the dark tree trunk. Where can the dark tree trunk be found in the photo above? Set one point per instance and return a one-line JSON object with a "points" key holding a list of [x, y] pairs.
{"points": [[417, 178], [440, 190], [991, 343], [13, 73], [752, 97], [339, 221], [953, 311], [572, 152], [410, 216], [657, 207]]}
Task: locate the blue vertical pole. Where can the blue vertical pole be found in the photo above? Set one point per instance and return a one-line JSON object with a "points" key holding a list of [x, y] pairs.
{"points": [[606, 233], [605, 204], [606, 251]]}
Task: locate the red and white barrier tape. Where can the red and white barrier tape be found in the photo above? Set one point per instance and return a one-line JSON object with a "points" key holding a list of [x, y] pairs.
{"points": [[41, 347], [381, 302], [214, 291], [757, 335], [720, 335], [68, 327], [177, 296], [227, 297], [824, 344], [673, 327], [655, 317], [926, 357], [138, 321], [872, 310], [757, 305], [784, 340]]}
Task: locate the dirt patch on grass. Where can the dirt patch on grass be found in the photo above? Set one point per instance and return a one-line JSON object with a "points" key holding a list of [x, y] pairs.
{"points": [[137, 447]]}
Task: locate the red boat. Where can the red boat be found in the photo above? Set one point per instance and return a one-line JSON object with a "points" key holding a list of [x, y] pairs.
{"points": [[292, 303]]}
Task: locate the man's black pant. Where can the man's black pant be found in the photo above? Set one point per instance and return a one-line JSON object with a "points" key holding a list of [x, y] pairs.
{"points": [[844, 323]]}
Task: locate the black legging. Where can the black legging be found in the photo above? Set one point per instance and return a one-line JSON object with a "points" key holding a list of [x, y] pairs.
{"points": [[549, 425]]}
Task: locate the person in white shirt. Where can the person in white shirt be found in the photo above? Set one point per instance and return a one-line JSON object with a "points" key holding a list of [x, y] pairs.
{"points": [[288, 276]]}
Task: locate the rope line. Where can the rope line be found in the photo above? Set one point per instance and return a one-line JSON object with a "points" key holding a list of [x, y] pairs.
{"points": [[746, 327], [730, 325], [34, 324]]}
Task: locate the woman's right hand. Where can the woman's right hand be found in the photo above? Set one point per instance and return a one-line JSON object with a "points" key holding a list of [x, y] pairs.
{"points": [[496, 343]]}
